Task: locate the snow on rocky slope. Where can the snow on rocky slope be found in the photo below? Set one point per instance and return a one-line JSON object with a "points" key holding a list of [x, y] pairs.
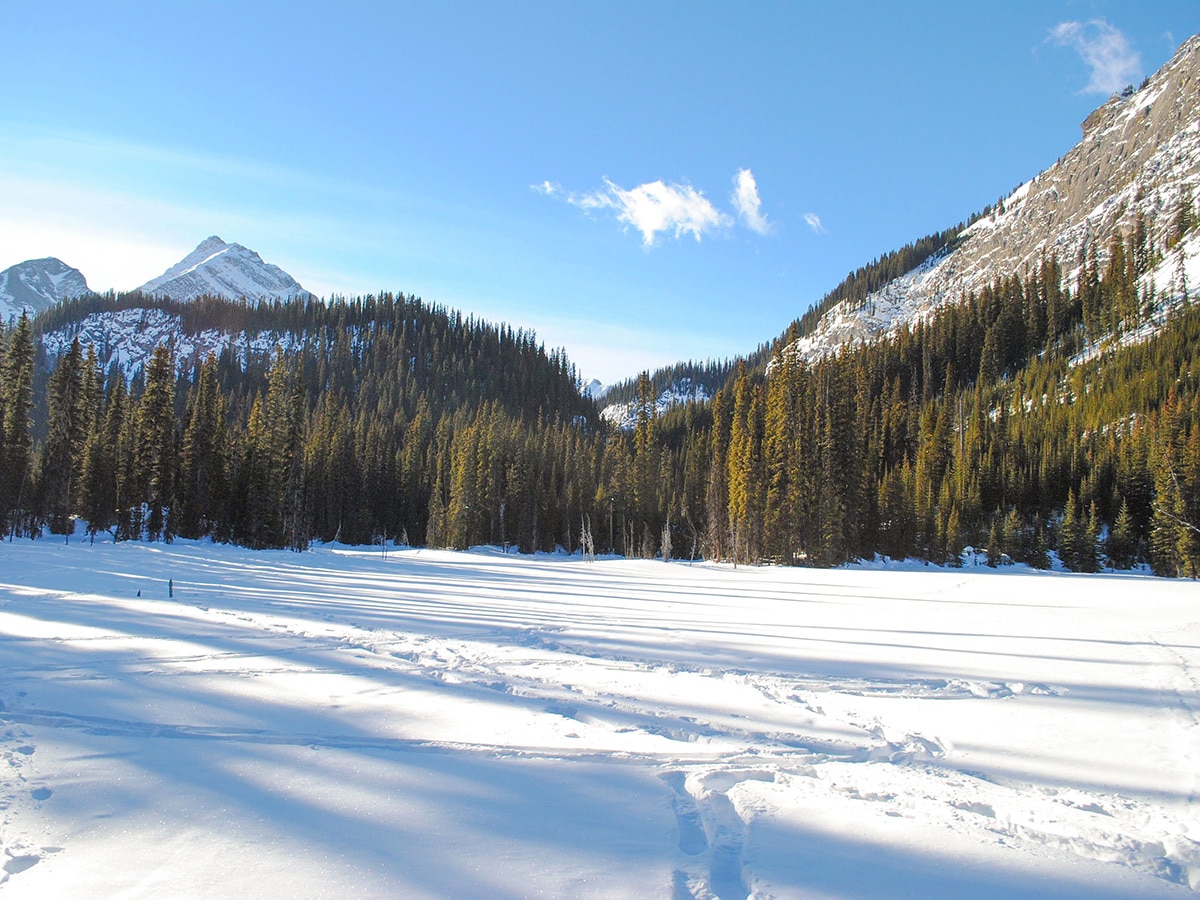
{"points": [[197, 720], [215, 268], [1139, 155], [624, 415], [1174, 281], [224, 270], [127, 338], [38, 284]]}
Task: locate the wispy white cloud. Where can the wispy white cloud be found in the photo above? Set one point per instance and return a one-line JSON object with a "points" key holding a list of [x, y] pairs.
{"points": [[814, 222], [655, 208], [747, 203], [1106, 51], [548, 188]]}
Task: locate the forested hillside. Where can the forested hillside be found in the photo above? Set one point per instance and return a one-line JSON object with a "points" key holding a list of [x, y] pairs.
{"points": [[344, 435], [676, 383], [1026, 419]]}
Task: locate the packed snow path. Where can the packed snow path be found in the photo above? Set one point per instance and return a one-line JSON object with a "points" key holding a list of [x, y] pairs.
{"points": [[425, 724]]}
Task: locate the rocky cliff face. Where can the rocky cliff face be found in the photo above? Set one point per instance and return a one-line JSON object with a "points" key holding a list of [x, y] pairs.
{"points": [[1140, 154]]}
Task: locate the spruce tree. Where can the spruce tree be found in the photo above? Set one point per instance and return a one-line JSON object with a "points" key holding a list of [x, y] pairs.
{"points": [[203, 457], [17, 450], [156, 458], [1119, 545], [1069, 534], [62, 452]]}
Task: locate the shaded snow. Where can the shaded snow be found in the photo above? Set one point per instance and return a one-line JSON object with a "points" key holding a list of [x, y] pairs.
{"points": [[431, 724]]}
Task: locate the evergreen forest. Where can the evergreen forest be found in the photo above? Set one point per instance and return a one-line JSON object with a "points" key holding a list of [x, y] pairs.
{"points": [[1020, 421]]}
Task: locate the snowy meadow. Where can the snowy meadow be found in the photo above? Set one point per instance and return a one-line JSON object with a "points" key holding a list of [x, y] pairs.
{"points": [[196, 720]]}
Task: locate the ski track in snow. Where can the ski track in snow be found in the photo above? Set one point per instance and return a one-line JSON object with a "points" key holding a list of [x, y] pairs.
{"points": [[997, 732]]}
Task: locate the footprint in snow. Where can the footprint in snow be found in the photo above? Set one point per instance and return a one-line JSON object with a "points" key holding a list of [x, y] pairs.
{"points": [[17, 864], [692, 839]]}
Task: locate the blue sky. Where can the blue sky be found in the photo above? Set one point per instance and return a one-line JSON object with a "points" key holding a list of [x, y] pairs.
{"points": [[638, 182]]}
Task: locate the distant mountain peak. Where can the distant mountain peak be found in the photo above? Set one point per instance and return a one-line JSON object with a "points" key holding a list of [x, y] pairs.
{"points": [[38, 284], [227, 270]]}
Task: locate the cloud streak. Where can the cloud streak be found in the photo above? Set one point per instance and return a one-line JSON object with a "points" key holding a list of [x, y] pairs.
{"points": [[747, 203], [814, 222], [1113, 61], [656, 208]]}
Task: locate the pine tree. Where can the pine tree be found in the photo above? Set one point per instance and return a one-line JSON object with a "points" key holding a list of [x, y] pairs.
{"points": [[121, 420], [645, 453], [995, 544], [98, 480], [1069, 535], [62, 453], [17, 451], [1039, 556], [954, 541], [203, 457], [717, 496], [1119, 545], [1088, 541], [285, 449], [156, 443]]}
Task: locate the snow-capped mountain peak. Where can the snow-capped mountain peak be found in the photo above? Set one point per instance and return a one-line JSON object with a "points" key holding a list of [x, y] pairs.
{"points": [[38, 284], [225, 270]]}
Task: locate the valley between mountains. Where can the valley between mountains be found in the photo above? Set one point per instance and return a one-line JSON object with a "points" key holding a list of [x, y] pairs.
{"points": [[368, 596]]}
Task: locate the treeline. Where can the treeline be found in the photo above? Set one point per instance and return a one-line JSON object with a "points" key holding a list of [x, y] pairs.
{"points": [[1018, 421], [382, 352], [710, 375], [978, 428], [346, 436]]}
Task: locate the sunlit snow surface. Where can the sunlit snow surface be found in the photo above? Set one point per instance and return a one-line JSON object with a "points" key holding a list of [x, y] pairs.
{"points": [[338, 723]]}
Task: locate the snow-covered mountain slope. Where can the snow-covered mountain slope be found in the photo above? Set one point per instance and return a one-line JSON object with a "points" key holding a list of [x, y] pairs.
{"points": [[224, 270], [624, 415], [38, 284], [1140, 154], [128, 338], [1173, 281]]}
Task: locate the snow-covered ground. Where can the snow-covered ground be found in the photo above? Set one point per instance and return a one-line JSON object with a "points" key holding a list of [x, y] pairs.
{"points": [[428, 724]]}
